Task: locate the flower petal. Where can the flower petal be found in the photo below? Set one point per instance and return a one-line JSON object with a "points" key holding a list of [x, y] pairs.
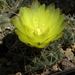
{"points": [[18, 24], [24, 38], [59, 36], [26, 16], [51, 8], [54, 28], [35, 5]]}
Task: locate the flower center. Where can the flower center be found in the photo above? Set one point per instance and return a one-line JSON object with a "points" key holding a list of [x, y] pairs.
{"points": [[39, 32]]}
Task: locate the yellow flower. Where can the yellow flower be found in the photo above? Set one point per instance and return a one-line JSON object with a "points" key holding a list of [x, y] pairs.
{"points": [[39, 25]]}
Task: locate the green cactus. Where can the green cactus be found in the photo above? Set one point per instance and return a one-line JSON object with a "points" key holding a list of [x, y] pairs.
{"points": [[69, 33], [32, 59], [2, 4], [4, 19], [14, 5], [47, 57]]}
